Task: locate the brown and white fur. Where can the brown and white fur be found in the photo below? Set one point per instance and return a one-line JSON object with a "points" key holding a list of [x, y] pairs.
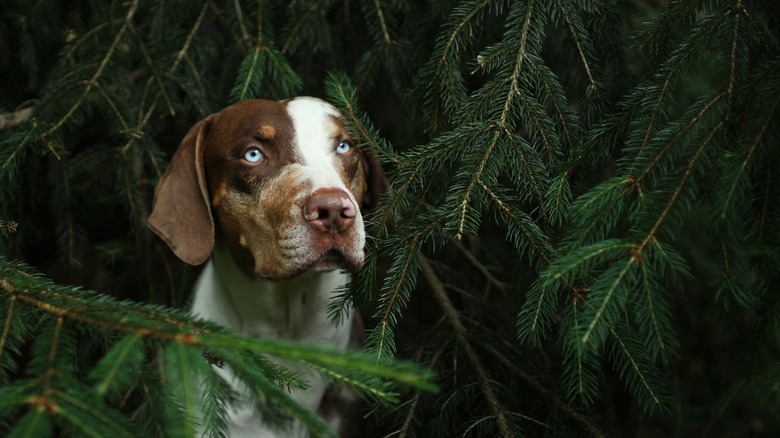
{"points": [[271, 195]]}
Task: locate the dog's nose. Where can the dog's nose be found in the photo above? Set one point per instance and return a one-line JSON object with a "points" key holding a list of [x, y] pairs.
{"points": [[329, 210]]}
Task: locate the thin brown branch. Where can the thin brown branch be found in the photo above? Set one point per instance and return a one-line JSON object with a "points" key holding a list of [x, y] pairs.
{"points": [[408, 420], [678, 191], [179, 57], [7, 324], [445, 53], [240, 19], [693, 121], [547, 394], [551, 92], [475, 178], [25, 296], [506, 211], [501, 124], [733, 56], [68, 58], [500, 285], [101, 68], [259, 23], [298, 26], [529, 170], [51, 369], [152, 70], [766, 200], [461, 332], [667, 82], [382, 23], [577, 42]]}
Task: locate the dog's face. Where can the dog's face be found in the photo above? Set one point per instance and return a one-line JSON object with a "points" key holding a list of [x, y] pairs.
{"points": [[283, 182]]}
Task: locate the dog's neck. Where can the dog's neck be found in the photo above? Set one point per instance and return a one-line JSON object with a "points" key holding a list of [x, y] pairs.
{"points": [[290, 309]]}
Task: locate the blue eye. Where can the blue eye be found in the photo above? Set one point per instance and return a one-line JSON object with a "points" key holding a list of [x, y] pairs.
{"points": [[254, 155], [344, 147]]}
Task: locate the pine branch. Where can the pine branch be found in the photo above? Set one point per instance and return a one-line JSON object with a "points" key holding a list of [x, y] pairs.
{"points": [[738, 10], [180, 56], [579, 358], [547, 394], [675, 196], [694, 120], [460, 331], [154, 75], [381, 19], [639, 371], [654, 320], [474, 179], [739, 178], [698, 38], [576, 29], [557, 99], [402, 277], [126, 24]]}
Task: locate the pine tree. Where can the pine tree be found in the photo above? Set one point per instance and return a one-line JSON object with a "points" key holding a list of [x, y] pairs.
{"points": [[580, 238]]}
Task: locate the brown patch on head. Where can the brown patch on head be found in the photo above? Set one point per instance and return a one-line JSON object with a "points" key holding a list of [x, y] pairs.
{"points": [[219, 195], [358, 185], [266, 132]]}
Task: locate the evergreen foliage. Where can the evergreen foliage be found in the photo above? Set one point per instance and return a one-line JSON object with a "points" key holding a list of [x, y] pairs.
{"points": [[581, 235]]}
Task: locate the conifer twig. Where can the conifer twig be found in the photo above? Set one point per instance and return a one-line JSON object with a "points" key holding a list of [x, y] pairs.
{"points": [[500, 285], [451, 41], [501, 124], [462, 334], [154, 76], [667, 82], [737, 10], [179, 57], [694, 120], [578, 43], [548, 394], [240, 19], [99, 72], [382, 24], [7, 324], [416, 400], [688, 171]]}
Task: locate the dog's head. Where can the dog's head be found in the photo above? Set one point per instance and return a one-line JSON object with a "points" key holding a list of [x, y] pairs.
{"points": [[284, 183]]}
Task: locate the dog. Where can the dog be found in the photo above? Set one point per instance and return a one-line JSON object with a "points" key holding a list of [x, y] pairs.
{"points": [[270, 195]]}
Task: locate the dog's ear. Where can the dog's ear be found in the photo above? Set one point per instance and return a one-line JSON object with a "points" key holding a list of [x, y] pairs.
{"points": [[181, 213], [375, 179]]}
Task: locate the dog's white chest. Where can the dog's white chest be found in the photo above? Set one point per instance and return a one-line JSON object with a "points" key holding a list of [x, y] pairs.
{"points": [[291, 309]]}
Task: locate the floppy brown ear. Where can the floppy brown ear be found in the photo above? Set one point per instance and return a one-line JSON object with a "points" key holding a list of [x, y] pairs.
{"points": [[181, 213], [375, 178]]}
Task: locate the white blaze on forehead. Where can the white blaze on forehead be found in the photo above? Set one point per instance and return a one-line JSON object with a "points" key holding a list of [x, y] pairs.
{"points": [[315, 136]]}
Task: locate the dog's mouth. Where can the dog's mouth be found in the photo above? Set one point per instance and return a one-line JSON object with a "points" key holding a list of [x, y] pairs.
{"points": [[335, 259]]}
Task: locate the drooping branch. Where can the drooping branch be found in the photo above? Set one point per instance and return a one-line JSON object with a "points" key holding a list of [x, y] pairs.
{"points": [[461, 332], [101, 68]]}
